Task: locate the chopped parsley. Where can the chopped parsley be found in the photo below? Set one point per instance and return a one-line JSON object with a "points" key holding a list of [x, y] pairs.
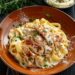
{"points": [[44, 30], [36, 33], [20, 37], [45, 65]]}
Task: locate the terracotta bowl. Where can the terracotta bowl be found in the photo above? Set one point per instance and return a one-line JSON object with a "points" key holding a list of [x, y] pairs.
{"points": [[53, 15]]}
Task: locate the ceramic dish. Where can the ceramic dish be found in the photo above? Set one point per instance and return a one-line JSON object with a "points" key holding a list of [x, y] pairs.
{"points": [[33, 12]]}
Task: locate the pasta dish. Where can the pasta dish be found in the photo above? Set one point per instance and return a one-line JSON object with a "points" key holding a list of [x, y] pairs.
{"points": [[61, 3], [39, 43]]}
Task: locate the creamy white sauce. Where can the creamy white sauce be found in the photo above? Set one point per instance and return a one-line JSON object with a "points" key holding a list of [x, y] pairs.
{"points": [[48, 48], [62, 4], [38, 38]]}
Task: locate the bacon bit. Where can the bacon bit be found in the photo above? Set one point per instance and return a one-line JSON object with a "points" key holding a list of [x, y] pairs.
{"points": [[58, 38], [37, 46], [29, 54], [29, 42]]}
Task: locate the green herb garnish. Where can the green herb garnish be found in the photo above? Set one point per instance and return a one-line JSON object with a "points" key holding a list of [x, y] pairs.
{"points": [[45, 65], [20, 37], [36, 33], [44, 31], [6, 6]]}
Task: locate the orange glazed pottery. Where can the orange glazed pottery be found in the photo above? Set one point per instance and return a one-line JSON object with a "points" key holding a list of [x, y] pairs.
{"points": [[33, 12]]}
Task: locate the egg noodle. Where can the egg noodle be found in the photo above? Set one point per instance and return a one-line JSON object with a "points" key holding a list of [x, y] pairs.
{"points": [[39, 43]]}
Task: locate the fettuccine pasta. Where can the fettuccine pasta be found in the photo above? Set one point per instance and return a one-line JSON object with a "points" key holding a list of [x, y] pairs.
{"points": [[38, 44]]}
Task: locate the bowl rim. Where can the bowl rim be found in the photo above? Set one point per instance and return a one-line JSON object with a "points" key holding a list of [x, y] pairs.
{"points": [[39, 7]]}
